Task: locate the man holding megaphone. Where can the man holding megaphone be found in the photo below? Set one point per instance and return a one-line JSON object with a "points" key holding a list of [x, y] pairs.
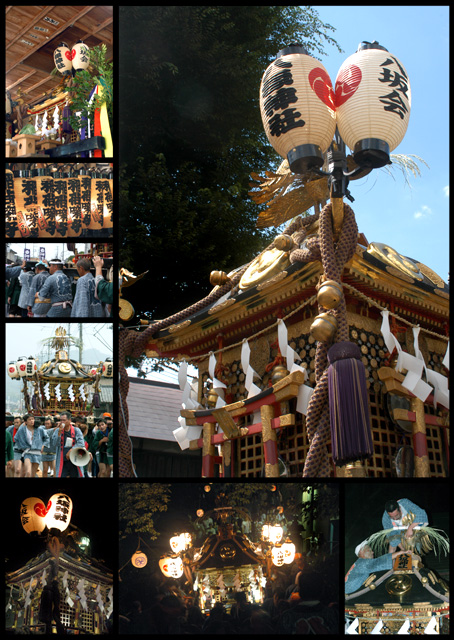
{"points": [[72, 454]]}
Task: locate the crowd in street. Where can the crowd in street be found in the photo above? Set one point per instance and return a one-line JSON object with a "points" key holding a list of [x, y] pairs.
{"points": [[40, 446], [43, 290]]}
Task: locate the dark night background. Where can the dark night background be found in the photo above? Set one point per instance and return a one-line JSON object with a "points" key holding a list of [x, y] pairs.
{"points": [[364, 507], [94, 512]]}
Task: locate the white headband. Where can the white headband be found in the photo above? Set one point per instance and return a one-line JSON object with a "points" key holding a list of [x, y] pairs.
{"points": [[360, 546]]}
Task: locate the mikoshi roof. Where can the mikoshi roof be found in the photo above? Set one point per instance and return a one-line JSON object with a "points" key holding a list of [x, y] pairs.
{"points": [[377, 277], [63, 369], [34, 32], [220, 552]]}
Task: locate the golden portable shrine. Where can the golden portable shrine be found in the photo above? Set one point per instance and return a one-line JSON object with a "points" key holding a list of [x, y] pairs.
{"points": [[410, 598], [59, 73], [58, 201], [60, 383], [83, 583], [367, 325]]}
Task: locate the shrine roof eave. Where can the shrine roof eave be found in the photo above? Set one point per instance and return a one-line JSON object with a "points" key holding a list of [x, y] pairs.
{"points": [[246, 312], [74, 566]]}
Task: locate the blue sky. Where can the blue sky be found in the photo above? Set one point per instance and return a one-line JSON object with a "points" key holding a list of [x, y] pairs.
{"points": [[414, 221]]}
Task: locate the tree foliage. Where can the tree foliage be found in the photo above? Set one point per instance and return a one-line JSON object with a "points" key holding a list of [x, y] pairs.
{"points": [[190, 134], [138, 504]]}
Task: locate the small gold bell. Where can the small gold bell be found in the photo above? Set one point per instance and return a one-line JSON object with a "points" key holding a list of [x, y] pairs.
{"points": [[212, 398], [329, 294], [324, 327], [218, 278], [279, 372], [284, 242], [372, 586]]}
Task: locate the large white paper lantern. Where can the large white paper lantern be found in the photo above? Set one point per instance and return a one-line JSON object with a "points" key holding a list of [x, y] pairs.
{"points": [[180, 543], [139, 560], [107, 368], [59, 510], [297, 106], [21, 366], [12, 371], [63, 59], [32, 515], [288, 549], [373, 99], [31, 367], [277, 556], [171, 567], [81, 56]]}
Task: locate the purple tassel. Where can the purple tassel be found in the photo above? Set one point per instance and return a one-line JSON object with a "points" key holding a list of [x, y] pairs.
{"points": [[96, 400], [351, 434], [66, 126], [34, 402]]}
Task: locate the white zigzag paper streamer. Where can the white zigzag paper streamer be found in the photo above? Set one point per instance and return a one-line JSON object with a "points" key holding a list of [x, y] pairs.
{"points": [[57, 392], [71, 393], [376, 630], [82, 391], [305, 392], [403, 631], [432, 626], [445, 362], [253, 390], [184, 433], [217, 384], [352, 628]]}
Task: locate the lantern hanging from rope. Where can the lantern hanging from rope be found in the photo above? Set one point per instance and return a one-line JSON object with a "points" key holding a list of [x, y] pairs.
{"points": [[288, 549], [63, 59], [139, 560], [81, 56], [297, 106], [277, 555], [59, 510], [32, 515], [31, 367], [21, 365], [373, 100], [12, 371]]}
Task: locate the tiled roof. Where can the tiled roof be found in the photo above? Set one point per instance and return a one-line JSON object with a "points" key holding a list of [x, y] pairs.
{"points": [[154, 408]]}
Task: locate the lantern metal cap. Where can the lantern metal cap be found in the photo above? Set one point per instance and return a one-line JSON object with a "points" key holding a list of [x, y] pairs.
{"points": [[372, 153], [370, 45], [296, 47], [305, 157]]}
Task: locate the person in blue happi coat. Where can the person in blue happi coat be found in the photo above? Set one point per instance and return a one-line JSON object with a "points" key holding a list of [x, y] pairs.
{"points": [[398, 513]]}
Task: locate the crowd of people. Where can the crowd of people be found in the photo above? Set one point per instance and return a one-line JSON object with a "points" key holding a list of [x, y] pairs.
{"points": [[309, 605], [45, 291], [40, 446]]}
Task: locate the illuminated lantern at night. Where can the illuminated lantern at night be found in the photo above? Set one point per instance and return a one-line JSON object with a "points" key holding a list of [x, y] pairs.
{"points": [[63, 59], [32, 515], [288, 549], [21, 366], [180, 543], [59, 510], [373, 99], [297, 106], [12, 371], [171, 567], [277, 556], [273, 533], [139, 560], [81, 56]]}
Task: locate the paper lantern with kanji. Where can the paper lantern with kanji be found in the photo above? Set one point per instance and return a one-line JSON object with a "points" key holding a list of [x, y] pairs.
{"points": [[31, 367], [59, 510], [139, 560], [171, 567], [63, 59], [180, 543], [32, 515], [277, 556], [107, 368], [81, 56], [297, 106], [288, 549], [373, 99], [12, 371]]}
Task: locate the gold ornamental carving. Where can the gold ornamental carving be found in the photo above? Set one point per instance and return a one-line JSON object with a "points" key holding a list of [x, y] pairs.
{"points": [[389, 256], [265, 266]]}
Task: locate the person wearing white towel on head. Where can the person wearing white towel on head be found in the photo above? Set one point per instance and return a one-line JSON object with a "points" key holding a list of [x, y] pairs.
{"points": [[367, 564]]}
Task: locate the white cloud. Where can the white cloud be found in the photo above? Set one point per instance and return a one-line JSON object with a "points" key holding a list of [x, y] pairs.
{"points": [[423, 212], [446, 191]]}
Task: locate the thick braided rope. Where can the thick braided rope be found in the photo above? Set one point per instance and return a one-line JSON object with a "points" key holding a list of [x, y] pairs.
{"points": [[333, 260]]}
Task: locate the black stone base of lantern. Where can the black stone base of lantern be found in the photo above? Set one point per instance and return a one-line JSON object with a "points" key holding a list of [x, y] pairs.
{"points": [[371, 153], [73, 148], [305, 157]]}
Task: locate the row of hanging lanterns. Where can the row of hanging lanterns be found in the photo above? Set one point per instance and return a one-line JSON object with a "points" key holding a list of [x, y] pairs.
{"points": [[23, 367], [36, 516], [280, 553], [370, 105], [77, 58]]}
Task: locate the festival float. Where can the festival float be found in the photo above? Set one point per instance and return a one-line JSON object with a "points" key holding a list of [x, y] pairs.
{"points": [[411, 598], [83, 582], [59, 72], [327, 354], [60, 383]]}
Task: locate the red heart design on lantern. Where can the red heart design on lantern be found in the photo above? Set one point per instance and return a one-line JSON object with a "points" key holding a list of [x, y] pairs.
{"points": [[347, 82], [70, 54], [41, 510], [321, 85]]}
